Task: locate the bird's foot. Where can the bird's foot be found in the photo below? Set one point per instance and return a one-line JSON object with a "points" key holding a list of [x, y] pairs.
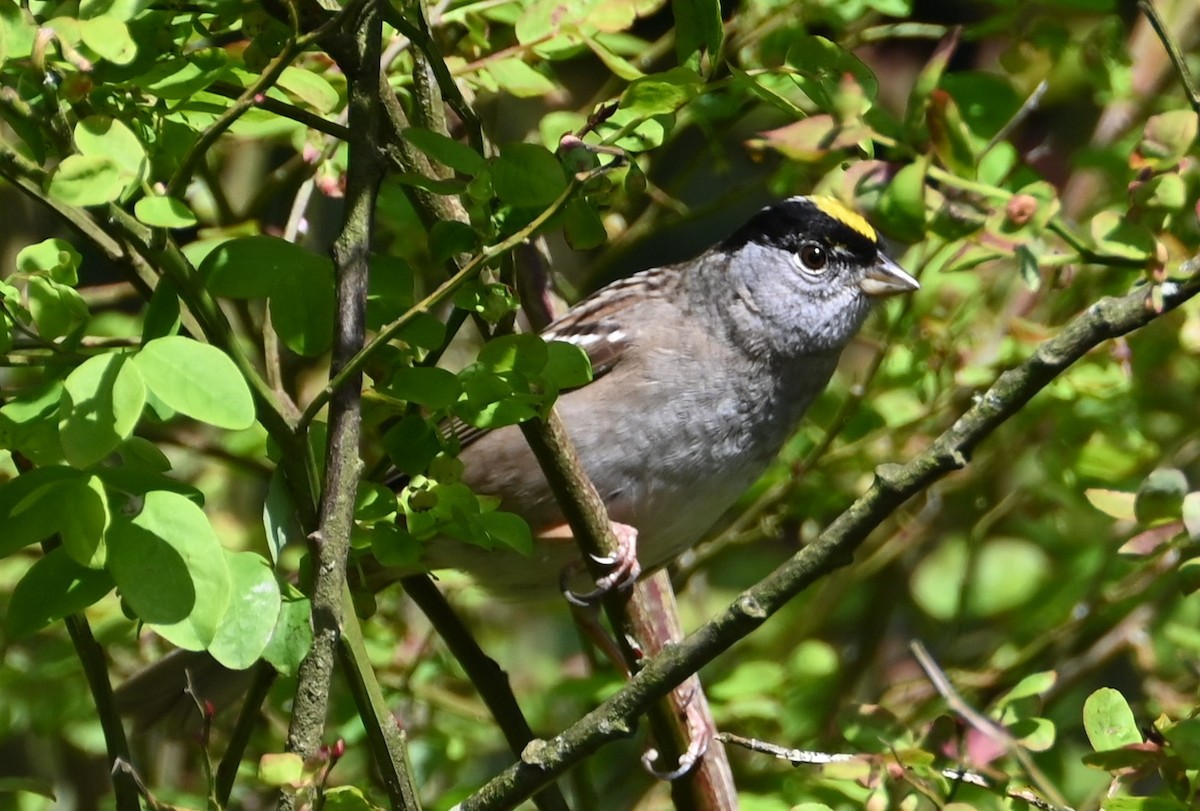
{"points": [[623, 572], [700, 735]]}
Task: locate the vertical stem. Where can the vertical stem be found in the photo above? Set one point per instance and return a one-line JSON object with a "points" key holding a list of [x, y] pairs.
{"points": [[91, 655]]}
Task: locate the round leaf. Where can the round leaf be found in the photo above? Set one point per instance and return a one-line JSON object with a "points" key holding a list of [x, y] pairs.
{"points": [[109, 38], [425, 385], [254, 605], [171, 569], [102, 401], [27, 506], [528, 175], [55, 257], [198, 380], [1108, 721], [164, 212], [54, 587], [86, 180]]}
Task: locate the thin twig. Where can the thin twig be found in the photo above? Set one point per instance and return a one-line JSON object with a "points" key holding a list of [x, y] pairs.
{"points": [[1181, 68], [805, 757], [443, 292], [989, 728], [488, 677]]}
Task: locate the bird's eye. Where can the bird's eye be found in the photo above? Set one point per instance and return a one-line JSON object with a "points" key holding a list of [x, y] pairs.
{"points": [[811, 257]]}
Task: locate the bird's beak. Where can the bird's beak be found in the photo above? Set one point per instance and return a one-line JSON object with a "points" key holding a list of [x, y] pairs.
{"points": [[886, 278]]}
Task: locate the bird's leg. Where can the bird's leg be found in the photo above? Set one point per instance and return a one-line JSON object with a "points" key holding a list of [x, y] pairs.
{"points": [[700, 732], [623, 572]]}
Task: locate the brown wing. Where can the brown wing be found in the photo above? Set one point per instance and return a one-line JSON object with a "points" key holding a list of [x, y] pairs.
{"points": [[596, 325]]}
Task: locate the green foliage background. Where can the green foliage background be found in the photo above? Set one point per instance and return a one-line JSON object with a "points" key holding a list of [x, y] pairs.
{"points": [[1026, 158]]}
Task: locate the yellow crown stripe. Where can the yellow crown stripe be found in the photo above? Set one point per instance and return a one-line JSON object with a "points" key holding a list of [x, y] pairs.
{"points": [[846, 216]]}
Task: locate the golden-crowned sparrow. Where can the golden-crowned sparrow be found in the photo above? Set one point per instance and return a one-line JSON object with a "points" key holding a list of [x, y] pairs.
{"points": [[701, 371]]}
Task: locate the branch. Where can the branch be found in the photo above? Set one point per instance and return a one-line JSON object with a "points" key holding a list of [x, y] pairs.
{"points": [[488, 677], [91, 656], [894, 484], [1177, 60], [643, 621], [354, 368], [336, 632], [806, 757]]}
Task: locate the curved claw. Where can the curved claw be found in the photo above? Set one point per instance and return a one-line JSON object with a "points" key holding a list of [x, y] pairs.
{"points": [[700, 735], [696, 749], [624, 573]]}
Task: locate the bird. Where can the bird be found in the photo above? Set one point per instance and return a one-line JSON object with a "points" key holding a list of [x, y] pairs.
{"points": [[701, 371]]}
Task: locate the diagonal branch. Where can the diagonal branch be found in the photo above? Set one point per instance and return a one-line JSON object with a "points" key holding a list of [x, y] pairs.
{"points": [[894, 484]]}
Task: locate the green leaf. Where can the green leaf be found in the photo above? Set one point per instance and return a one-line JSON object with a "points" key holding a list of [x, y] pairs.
{"points": [[56, 309], [198, 380], [621, 68], [109, 38], [347, 798], [56, 258], [1027, 267], [507, 529], [567, 366], [522, 352], [310, 88], [17, 32], [292, 637], [84, 525], [661, 93], [1167, 138], [528, 175], [102, 402], [821, 66], [582, 225], [411, 444], [164, 212], [1116, 234], [1108, 721], [86, 180], [519, 79], [280, 521], [28, 504], [1034, 684], [282, 769], [937, 583], [699, 31], [1035, 734], [123, 10], [184, 76], [171, 569], [425, 385], [926, 82], [870, 728], [393, 546], [298, 283], [54, 587], [254, 607], [1006, 573], [988, 101], [447, 151], [902, 205]]}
